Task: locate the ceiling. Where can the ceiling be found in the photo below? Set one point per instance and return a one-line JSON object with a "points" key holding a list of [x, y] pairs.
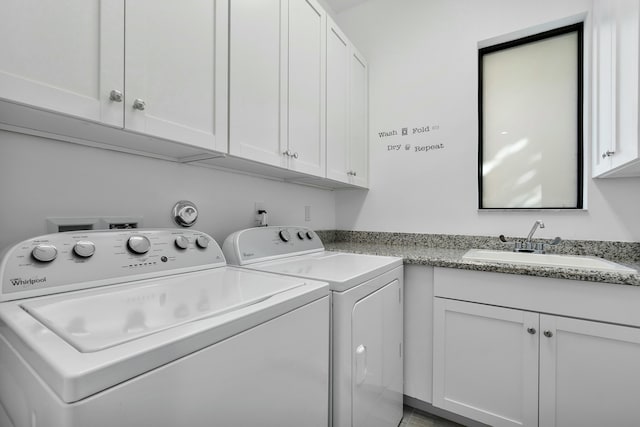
{"points": [[341, 5]]}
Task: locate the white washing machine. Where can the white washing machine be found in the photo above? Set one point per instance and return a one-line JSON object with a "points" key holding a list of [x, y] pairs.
{"points": [[367, 325], [151, 328]]}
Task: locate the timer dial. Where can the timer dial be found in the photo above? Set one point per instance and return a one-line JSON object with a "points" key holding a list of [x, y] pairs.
{"points": [[182, 242], [139, 244], [44, 253], [84, 248], [284, 235], [202, 242]]}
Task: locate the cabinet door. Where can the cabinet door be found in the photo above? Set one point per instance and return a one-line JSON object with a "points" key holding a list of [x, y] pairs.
{"points": [[418, 332], [63, 56], [257, 85], [589, 373], [170, 67], [485, 362], [359, 121], [377, 358], [615, 92], [306, 89], [338, 55]]}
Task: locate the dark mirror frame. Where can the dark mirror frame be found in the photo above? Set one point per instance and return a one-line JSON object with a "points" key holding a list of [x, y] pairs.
{"points": [[577, 28]]}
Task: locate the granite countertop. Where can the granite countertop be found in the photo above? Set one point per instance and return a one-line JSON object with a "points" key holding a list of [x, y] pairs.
{"points": [[452, 258]]}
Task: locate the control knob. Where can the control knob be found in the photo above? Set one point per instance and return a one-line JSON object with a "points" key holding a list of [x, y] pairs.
{"points": [[202, 242], [182, 242], [44, 253], [84, 248], [139, 244], [310, 235], [301, 235], [284, 235]]}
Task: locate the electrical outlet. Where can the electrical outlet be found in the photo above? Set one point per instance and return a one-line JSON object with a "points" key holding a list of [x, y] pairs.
{"points": [[307, 213]]}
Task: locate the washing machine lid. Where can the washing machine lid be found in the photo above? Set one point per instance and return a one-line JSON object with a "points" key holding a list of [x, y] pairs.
{"points": [[341, 270], [83, 342], [100, 320]]}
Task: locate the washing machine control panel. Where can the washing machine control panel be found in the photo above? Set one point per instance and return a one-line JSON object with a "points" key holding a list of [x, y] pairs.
{"points": [[83, 259], [266, 243]]}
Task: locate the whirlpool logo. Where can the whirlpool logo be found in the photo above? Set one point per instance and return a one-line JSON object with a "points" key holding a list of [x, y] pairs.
{"points": [[28, 282]]}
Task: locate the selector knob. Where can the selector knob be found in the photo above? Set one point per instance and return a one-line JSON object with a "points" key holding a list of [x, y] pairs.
{"points": [[182, 242], [139, 244], [202, 242], [44, 253], [84, 248], [301, 235], [284, 235], [310, 235]]}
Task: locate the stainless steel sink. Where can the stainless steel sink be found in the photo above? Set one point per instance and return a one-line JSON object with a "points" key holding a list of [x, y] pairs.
{"points": [[547, 260]]}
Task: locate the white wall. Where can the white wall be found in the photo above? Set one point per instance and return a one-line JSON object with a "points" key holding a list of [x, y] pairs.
{"points": [[423, 71], [42, 178]]}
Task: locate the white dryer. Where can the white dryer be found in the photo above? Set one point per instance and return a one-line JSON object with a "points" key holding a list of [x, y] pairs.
{"points": [[367, 325], [151, 328]]}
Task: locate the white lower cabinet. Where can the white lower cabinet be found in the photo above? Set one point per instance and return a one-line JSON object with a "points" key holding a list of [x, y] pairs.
{"points": [[510, 367], [589, 373]]}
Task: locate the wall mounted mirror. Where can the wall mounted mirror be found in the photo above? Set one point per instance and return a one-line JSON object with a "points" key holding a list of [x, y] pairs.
{"points": [[530, 122]]}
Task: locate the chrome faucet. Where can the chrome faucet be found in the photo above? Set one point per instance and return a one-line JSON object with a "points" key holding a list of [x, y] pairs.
{"points": [[527, 245], [536, 224]]}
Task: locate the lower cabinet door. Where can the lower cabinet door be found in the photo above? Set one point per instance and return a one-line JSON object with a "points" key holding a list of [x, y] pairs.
{"points": [[485, 362], [589, 373]]}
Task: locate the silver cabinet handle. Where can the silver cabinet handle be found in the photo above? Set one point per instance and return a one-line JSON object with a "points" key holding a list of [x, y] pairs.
{"points": [[115, 96], [532, 331], [295, 155], [287, 153], [139, 104], [548, 334], [608, 154]]}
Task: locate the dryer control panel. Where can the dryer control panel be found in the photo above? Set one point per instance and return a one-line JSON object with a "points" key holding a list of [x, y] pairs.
{"points": [[73, 260], [267, 243]]}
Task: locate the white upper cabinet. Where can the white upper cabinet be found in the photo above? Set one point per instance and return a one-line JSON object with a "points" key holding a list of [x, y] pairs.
{"points": [[276, 83], [359, 122], [306, 84], [169, 70], [338, 62], [616, 52], [146, 66], [347, 110], [64, 56], [257, 92]]}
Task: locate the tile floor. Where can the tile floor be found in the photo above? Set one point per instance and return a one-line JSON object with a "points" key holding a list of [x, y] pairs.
{"points": [[415, 418]]}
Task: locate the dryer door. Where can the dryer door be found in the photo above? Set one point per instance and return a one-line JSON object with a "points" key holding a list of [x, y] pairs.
{"points": [[377, 358]]}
